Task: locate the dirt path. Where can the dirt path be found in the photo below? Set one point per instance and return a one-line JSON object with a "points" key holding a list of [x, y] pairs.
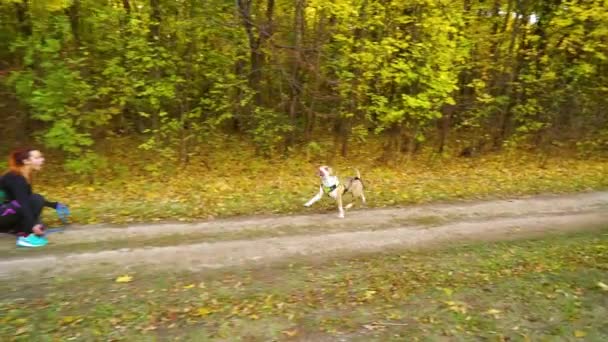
{"points": [[361, 230]]}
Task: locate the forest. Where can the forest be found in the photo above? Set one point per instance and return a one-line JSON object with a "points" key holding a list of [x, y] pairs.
{"points": [[463, 77]]}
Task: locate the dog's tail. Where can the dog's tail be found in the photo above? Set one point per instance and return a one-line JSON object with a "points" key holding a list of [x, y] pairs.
{"points": [[358, 174]]}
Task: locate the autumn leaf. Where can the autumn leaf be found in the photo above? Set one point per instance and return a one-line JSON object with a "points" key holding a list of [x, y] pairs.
{"points": [[369, 294], [602, 286], [290, 333], [204, 311], [494, 312], [67, 320], [383, 325], [455, 306], [124, 279], [372, 327], [20, 321], [579, 333], [21, 331]]}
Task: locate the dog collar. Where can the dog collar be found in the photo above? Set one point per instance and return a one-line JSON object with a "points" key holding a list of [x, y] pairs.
{"points": [[328, 189]]}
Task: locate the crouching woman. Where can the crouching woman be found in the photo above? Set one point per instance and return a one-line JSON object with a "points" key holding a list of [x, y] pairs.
{"points": [[20, 209]]}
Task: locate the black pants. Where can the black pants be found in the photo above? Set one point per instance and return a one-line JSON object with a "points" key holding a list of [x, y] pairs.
{"points": [[11, 215]]}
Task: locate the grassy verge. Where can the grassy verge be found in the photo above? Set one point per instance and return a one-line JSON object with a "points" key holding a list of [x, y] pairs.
{"points": [[230, 180], [541, 289]]}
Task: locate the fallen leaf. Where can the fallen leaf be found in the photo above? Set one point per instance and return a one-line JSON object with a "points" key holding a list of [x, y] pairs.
{"points": [[124, 279], [290, 333], [371, 327], [189, 286], [579, 333], [66, 320], [203, 311], [369, 294], [602, 286], [374, 326], [20, 321], [494, 312], [21, 331], [458, 307]]}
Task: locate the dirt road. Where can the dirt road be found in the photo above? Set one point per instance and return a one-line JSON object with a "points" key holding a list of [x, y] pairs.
{"points": [[220, 243]]}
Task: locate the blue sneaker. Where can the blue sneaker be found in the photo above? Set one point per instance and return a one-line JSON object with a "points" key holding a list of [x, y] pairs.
{"points": [[32, 240]]}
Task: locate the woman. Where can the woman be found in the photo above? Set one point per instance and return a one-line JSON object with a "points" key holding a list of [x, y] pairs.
{"points": [[20, 212]]}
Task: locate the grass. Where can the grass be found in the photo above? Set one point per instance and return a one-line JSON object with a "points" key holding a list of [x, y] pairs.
{"points": [[229, 180], [539, 289]]}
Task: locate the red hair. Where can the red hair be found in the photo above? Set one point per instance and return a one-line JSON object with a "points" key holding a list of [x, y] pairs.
{"points": [[16, 161]]}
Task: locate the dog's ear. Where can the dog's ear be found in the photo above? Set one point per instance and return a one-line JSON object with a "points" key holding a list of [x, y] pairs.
{"points": [[325, 170]]}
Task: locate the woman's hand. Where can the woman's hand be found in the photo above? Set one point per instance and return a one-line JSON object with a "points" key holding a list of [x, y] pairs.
{"points": [[38, 229], [63, 212]]}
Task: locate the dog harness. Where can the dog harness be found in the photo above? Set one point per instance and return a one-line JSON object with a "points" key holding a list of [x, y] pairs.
{"points": [[329, 184], [328, 189]]}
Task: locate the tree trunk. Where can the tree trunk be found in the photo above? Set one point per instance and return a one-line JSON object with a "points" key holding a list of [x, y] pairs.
{"points": [[24, 24], [314, 89], [256, 43], [353, 100], [447, 111], [296, 77], [73, 12], [505, 86], [23, 18], [154, 38]]}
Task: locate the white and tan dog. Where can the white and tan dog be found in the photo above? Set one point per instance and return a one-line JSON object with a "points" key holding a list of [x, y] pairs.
{"points": [[332, 186]]}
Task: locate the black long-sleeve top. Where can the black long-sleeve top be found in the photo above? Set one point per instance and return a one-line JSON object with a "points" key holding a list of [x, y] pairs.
{"points": [[17, 188]]}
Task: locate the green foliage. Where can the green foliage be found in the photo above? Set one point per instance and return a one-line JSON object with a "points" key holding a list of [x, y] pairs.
{"points": [[54, 90], [268, 131], [529, 73], [86, 164]]}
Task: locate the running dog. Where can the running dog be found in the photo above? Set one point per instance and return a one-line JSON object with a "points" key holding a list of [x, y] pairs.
{"points": [[331, 185]]}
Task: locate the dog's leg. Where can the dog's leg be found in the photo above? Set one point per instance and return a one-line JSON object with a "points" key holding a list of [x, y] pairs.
{"points": [[349, 205], [317, 197], [362, 197], [352, 202], [340, 208]]}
